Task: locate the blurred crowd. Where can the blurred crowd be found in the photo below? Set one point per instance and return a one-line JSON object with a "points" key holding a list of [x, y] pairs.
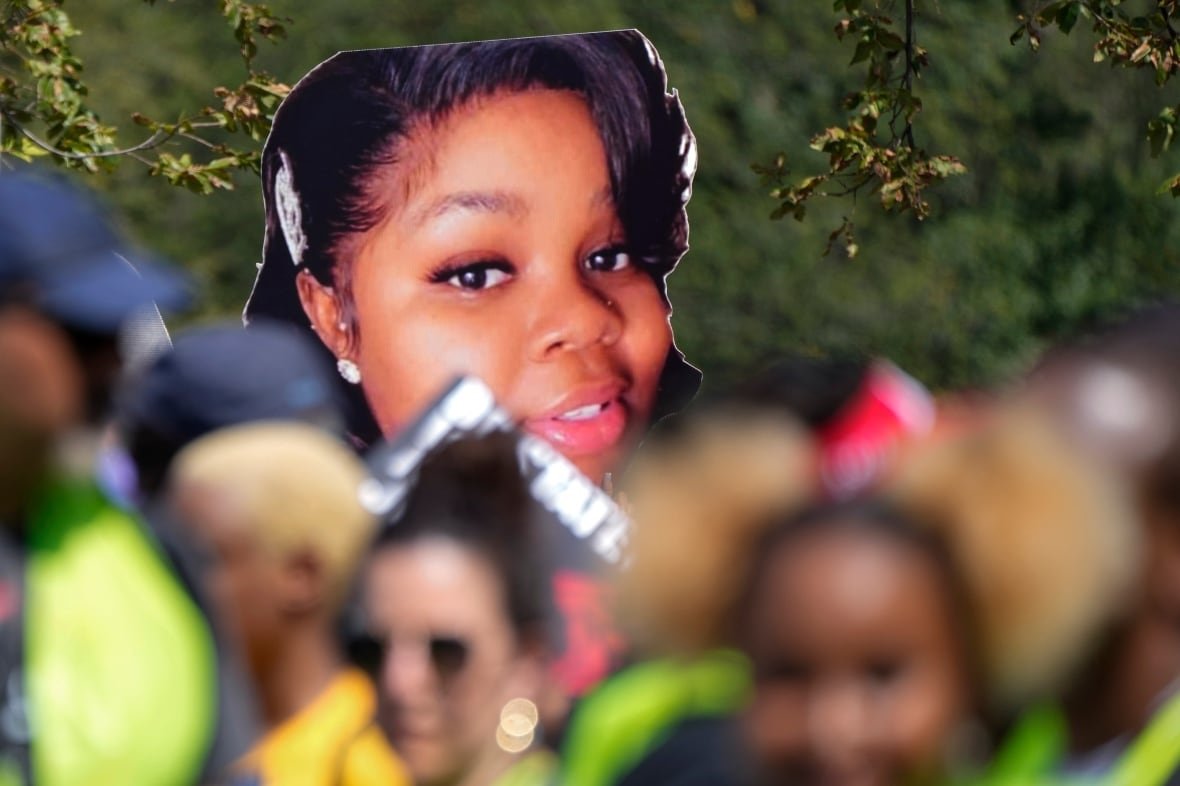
{"points": [[832, 575]]}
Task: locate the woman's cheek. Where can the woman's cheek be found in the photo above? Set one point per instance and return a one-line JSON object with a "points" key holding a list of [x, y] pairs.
{"points": [[925, 712], [403, 370], [647, 339]]}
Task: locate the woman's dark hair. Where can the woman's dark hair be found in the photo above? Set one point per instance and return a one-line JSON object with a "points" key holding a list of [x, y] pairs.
{"points": [[815, 390], [346, 122], [472, 492]]}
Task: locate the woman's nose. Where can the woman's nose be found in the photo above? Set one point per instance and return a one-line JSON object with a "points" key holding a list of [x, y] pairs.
{"points": [[572, 315], [838, 721], [406, 672]]}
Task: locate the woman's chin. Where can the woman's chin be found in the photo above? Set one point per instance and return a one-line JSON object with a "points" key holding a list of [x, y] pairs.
{"points": [[599, 466]]}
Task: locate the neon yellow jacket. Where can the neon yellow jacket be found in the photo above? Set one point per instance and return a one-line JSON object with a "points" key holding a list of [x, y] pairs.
{"points": [[119, 663]]}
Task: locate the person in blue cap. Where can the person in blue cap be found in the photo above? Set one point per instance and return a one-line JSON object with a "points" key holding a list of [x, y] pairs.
{"points": [[216, 376], [109, 670]]}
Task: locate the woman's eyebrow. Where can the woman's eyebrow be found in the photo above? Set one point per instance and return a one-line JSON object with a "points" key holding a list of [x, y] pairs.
{"points": [[474, 201]]}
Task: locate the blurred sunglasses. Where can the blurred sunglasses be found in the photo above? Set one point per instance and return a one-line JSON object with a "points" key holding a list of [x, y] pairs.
{"points": [[448, 655]]}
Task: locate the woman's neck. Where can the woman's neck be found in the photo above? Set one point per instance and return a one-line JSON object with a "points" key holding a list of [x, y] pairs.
{"points": [[307, 663]]}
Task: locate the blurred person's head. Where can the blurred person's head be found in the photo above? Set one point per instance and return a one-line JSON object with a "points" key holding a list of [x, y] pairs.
{"points": [[860, 647], [218, 376], [1116, 396], [699, 492], [812, 389], [455, 595], [501, 209], [881, 636], [68, 283], [41, 397], [860, 410], [277, 506], [1042, 537]]}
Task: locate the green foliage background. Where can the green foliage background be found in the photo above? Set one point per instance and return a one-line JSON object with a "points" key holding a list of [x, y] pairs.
{"points": [[1056, 226]]}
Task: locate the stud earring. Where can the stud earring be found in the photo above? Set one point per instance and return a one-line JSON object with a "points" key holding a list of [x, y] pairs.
{"points": [[348, 370]]}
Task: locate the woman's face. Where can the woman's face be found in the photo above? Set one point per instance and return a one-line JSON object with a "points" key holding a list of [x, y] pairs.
{"points": [[451, 658], [860, 676], [505, 258]]}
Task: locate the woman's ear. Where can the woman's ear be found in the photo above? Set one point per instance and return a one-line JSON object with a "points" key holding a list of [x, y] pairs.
{"points": [[322, 306], [303, 589]]}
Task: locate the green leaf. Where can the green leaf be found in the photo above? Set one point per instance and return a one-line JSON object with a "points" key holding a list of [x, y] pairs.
{"points": [[1172, 185], [890, 40], [1068, 17], [864, 50], [1159, 135]]}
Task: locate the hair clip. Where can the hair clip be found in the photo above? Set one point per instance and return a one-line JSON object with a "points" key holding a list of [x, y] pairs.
{"points": [[290, 213]]}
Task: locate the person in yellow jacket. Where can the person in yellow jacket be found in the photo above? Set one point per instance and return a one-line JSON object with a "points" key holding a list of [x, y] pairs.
{"points": [[109, 670], [276, 504]]}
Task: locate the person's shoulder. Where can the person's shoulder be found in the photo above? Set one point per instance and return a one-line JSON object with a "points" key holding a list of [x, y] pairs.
{"points": [[696, 751], [634, 712], [370, 761]]}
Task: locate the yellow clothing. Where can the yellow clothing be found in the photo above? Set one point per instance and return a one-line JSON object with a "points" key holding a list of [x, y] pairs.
{"points": [[535, 769], [331, 742], [120, 666]]}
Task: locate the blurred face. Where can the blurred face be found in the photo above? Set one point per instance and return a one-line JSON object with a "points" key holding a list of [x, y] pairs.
{"points": [[244, 584], [41, 398], [451, 658], [860, 677], [507, 261]]}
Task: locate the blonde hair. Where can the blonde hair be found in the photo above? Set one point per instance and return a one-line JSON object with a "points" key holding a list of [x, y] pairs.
{"points": [[698, 505], [1046, 545], [293, 484]]}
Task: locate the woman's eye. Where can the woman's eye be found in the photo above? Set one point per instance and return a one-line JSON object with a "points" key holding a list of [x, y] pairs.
{"points": [[787, 670], [475, 277], [608, 260], [885, 671]]}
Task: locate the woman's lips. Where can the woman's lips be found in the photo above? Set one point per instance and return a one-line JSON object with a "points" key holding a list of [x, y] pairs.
{"points": [[585, 429]]}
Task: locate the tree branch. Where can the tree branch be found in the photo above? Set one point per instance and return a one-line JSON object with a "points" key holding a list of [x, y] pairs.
{"points": [[908, 75], [198, 140], [155, 140], [852, 188], [1163, 7]]}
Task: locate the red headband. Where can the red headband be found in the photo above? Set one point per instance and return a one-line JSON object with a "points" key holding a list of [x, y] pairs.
{"points": [[858, 442]]}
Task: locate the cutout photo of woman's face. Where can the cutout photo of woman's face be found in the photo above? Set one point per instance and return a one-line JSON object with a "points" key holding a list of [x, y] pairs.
{"points": [[504, 257]]}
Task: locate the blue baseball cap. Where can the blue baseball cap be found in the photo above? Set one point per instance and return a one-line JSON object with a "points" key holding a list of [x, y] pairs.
{"points": [[59, 249], [223, 374]]}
